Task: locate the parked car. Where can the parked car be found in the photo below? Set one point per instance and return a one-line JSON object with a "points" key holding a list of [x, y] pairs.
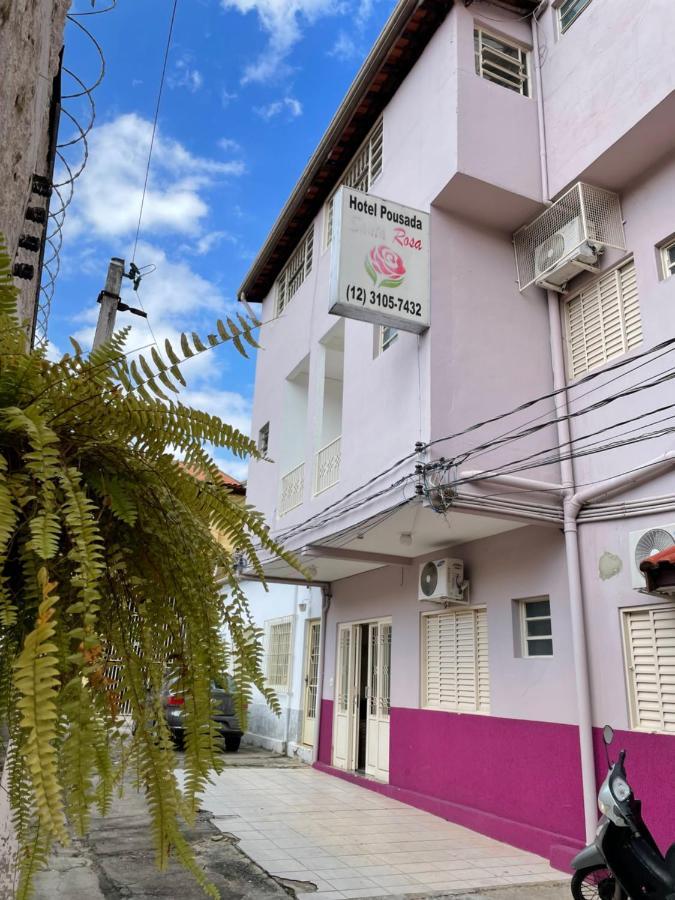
{"points": [[222, 697]]}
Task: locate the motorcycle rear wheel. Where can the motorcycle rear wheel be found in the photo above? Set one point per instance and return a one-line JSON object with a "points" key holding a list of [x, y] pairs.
{"points": [[595, 883]]}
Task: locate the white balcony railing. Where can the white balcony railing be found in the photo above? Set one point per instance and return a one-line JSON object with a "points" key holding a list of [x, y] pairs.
{"points": [[327, 468], [292, 489]]}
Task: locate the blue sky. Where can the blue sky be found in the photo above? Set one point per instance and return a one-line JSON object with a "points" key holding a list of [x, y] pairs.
{"points": [[251, 86]]}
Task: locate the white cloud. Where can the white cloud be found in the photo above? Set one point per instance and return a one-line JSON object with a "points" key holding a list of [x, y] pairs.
{"points": [[108, 196], [230, 406], [282, 20], [288, 104], [344, 48], [232, 465], [186, 76], [207, 242], [226, 97], [229, 146]]}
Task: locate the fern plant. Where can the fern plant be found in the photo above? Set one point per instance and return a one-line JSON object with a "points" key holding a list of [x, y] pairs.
{"points": [[111, 580]]}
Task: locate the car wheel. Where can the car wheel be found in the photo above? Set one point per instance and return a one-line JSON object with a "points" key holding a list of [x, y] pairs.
{"points": [[232, 742], [594, 883]]}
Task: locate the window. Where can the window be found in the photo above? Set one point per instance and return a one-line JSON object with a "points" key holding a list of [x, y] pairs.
{"points": [[264, 438], [279, 633], [386, 335], [501, 62], [455, 670], [569, 11], [668, 258], [361, 173], [603, 320], [536, 634], [649, 636], [296, 270]]}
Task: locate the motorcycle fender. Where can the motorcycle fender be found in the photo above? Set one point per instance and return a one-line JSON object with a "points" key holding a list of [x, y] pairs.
{"points": [[590, 856]]}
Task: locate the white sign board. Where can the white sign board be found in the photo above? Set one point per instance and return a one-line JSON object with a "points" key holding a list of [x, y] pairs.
{"points": [[379, 262]]}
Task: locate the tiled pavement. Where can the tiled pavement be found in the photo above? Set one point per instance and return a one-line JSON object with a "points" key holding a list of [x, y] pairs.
{"points": [[307, 826]]}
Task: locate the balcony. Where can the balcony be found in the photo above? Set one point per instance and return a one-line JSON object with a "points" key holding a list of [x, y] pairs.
{"points": [[292, 489], [327, 468]]}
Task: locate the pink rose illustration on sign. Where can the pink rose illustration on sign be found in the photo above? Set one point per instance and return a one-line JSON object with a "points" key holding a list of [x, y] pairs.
{"points": [[385, 267]]}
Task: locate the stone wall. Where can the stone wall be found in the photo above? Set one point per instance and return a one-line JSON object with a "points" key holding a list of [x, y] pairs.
{"points": [[31, 39]]}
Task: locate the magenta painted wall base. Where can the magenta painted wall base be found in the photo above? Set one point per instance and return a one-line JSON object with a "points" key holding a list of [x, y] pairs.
{"points": [[525, 837], [514, 780]]}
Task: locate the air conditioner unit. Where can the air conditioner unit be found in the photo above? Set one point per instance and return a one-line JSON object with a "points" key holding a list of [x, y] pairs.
{"points": [[646, 543], [562, 255], [442, 581]]}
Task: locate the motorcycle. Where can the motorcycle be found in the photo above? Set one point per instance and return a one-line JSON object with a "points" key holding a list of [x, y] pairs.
{"points": [[624, 862]]}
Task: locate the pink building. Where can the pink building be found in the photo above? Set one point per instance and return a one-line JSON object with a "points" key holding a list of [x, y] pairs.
{"points": [[528, 433]]}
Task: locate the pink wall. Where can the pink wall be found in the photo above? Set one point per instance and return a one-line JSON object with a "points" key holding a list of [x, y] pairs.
{"points": [[527, 562], [605, 74]]}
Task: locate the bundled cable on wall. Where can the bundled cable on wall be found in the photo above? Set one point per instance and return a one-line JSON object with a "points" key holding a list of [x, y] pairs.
{"points": [[77, 116]]}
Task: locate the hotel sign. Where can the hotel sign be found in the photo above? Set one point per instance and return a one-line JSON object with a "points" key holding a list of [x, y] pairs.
{"points": [[379, 262]]}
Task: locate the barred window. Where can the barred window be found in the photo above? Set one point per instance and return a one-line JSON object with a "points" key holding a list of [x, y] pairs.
{"points": [[569, 11], [501, 61], [603, 320], [455, 665], [279, 634], [536, 629], [360, 174], [296, 270], [668, 258]]}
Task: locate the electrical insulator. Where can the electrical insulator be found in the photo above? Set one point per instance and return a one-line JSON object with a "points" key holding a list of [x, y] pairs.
{"points": [[23, 270], [36, 214], [41, 186], [29, 242]]}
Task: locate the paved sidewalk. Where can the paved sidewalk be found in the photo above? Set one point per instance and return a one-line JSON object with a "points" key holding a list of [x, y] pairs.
{"points": [[307, 826]]}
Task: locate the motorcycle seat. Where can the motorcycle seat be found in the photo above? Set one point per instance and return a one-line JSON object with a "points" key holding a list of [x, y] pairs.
{"points": [[670, 860]]}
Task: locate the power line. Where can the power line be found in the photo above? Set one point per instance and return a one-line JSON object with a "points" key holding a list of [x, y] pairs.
{"points": [[529, 403], [643, 385], [578, 397], [154, 124]]}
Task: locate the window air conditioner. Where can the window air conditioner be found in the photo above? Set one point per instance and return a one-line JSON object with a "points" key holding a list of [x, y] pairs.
{"points": [[442, 581], [646, 543], [561, 256]]}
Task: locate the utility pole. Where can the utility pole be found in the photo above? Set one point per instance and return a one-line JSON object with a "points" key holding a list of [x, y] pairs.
{"points": [[109, 299]]}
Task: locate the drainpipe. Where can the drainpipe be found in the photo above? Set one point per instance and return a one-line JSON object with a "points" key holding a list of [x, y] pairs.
{"points": [[575, 589], [291, 692], [326, 598], [515, 481]]}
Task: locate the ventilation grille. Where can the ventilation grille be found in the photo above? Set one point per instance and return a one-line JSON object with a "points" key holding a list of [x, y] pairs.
{"points": [[598, 221]]}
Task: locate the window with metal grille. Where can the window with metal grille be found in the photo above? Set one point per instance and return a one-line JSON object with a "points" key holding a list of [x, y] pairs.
{"points": [[668, 258], [279, 633], [386, 337], [296, 270], [569, 11], [649, 639], [455, 665], [535, 627], [360, 174], [264, 438], [603, 320], [501, 61]]}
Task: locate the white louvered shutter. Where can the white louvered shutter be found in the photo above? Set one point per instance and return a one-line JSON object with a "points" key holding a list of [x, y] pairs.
{"points": [[650, 653], [457, 674], [603, 320]]}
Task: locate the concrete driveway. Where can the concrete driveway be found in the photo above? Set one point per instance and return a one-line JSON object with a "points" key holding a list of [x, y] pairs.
{"points": [[337, 840]]}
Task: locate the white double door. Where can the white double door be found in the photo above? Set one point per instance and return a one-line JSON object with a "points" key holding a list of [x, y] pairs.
{"points": [[363, 693]]}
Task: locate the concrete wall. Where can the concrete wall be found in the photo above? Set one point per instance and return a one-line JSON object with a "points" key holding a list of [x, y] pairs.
{"points": [[31, 38], [282, 733]]}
